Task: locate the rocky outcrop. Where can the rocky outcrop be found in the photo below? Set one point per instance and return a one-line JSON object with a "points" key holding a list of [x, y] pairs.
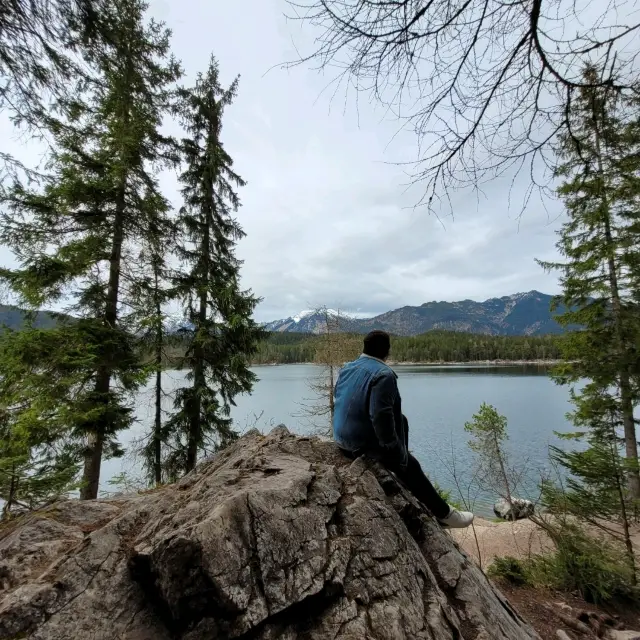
{"points": [[277, 537], [517, 510]]}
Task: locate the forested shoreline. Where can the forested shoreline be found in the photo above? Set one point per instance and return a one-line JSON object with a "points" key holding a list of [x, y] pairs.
{"points": [[433, 346]]}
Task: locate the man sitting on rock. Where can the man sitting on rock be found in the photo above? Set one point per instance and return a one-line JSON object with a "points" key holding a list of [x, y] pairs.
{"points": [[368, 420]]}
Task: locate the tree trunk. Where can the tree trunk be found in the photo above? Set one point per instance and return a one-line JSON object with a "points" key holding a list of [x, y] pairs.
{"points": [[199, 380], [631, 558], [157, 429], [615, 456], [505, 477], [95, 444], [13, 487], [626, 396], [157, 441], [332, 403]]}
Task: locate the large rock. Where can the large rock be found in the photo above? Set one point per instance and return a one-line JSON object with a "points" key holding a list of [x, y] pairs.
{"points": [[517, 510], [276, 537]]}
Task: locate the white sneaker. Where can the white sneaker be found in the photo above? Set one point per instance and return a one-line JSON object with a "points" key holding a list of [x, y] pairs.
{"points": [[457, 519]]}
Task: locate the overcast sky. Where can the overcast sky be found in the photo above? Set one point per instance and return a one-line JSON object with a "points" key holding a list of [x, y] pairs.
{"points": [[326, 211]]}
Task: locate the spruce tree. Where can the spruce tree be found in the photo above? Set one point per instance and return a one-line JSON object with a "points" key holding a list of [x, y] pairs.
{"points": [[154, 291], [600, 169], [77, 237], [600, 164], [224, 334]]}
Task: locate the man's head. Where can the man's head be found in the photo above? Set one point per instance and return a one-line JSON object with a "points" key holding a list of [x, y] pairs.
{"points": [[377, 344]]}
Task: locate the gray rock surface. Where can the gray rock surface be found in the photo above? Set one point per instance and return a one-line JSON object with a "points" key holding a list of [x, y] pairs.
{"points": [[277, 537], [613, 634], [519, 507]]}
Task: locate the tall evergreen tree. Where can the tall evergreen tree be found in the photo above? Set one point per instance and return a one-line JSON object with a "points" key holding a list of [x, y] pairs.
{"points": [[600, 168], [154, 290], [224, 334], [78, 236]]}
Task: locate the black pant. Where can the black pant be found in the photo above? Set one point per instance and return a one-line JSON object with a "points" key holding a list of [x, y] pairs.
{"points": [[414, 478]]}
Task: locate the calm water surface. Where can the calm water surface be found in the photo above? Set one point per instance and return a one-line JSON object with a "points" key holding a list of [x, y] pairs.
{"points": [[437, 400]]}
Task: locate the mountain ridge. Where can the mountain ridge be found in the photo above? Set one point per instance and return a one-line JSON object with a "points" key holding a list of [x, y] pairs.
{"points": [[524, 313], [12, 317]]}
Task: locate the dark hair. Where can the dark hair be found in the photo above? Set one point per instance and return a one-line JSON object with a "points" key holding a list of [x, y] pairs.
{"points": [[377, 344]]}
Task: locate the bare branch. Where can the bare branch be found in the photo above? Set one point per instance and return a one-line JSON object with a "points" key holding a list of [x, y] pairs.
{"points": [[484, 85]]}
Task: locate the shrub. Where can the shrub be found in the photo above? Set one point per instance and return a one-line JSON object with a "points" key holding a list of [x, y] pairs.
{"points": [[592, 566], [509, 569]]}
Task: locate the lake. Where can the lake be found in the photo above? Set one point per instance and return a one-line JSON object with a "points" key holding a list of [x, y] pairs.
{"points": [[437, 400]]}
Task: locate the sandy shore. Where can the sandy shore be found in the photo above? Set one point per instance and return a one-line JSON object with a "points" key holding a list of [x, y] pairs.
{"points": [[518, 539]]}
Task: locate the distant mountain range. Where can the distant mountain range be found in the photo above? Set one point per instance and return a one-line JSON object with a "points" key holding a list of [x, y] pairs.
{"points": [[520, 314], [14, 318]]}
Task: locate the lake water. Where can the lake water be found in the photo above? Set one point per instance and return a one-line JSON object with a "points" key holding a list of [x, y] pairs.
{"points": [[437, 400]]}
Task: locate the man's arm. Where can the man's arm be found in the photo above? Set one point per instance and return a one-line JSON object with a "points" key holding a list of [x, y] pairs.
{"points": [[384, 392]]}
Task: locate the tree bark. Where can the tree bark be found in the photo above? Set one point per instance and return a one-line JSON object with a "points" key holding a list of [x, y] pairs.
{"points": [[505, 477], [199, 383], [95, 444], [199, 379], [623, 508], [157, 428], [13, 488]]}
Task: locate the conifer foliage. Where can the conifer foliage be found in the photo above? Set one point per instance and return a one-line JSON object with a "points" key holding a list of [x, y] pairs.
{"points": [[99, 239], [600, 168], [76, 238], [224, 334]]}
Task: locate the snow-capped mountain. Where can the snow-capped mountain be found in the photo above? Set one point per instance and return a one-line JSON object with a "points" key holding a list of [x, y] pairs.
{"points": [[176, 323], [518, 314], [313, 321]]}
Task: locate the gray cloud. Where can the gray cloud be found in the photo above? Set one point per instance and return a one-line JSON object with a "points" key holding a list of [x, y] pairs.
{"points": [[327, 217]]}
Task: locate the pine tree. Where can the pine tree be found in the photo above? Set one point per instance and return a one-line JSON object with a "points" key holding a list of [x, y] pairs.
{"points": [[489, 432], [600, 168], [224, 335], [78, 236]]}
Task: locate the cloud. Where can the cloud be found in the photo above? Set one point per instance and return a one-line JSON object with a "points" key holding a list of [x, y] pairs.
{"points": [[327, 216]]}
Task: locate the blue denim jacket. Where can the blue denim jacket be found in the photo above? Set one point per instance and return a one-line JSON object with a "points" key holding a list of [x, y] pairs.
{"points": [[368, 410]]}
